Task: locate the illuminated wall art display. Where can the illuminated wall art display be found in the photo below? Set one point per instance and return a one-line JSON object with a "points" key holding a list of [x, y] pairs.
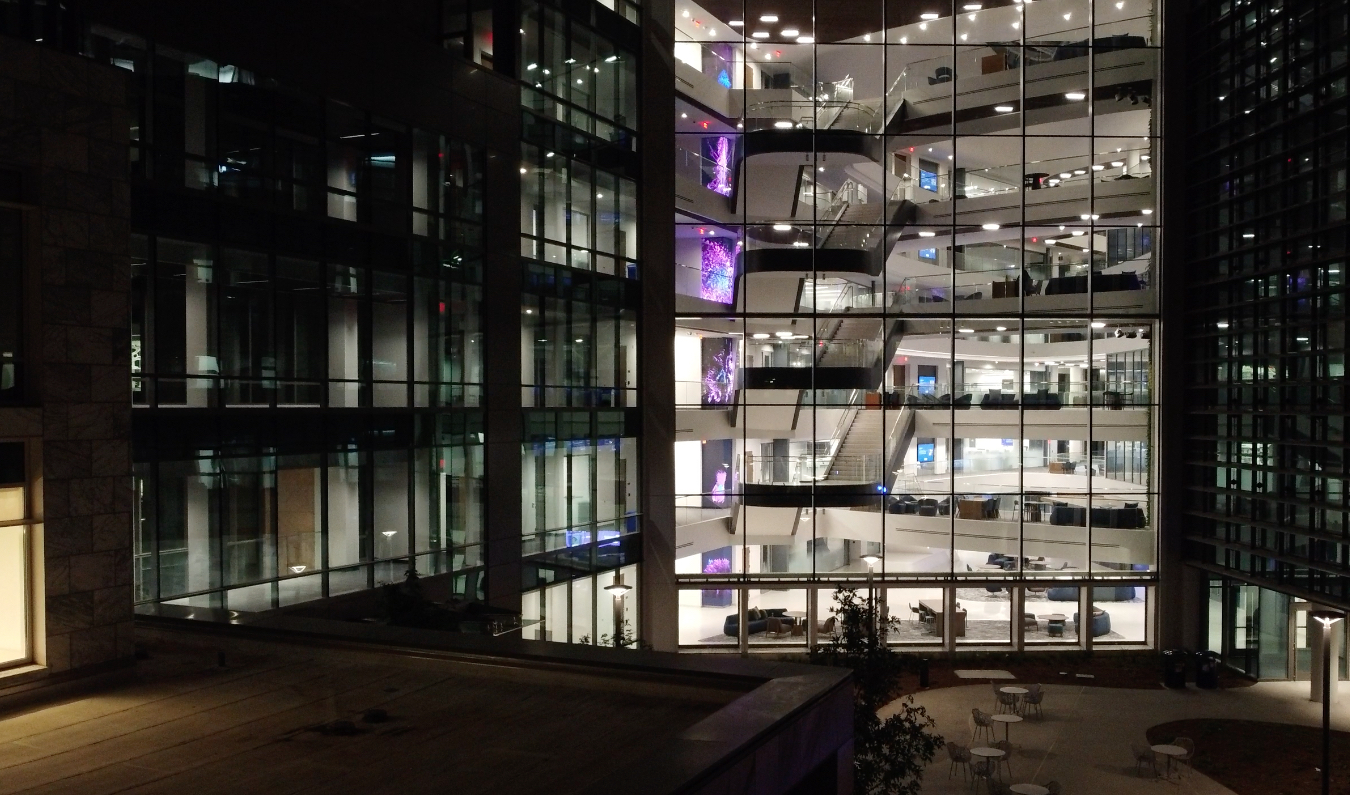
{"points": [[718, 152], [718, 270], [719, 370]]}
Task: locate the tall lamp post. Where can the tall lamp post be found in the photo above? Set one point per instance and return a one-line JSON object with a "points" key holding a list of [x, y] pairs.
{"points": [[618, 589], [871, 561], [1327, 618]]}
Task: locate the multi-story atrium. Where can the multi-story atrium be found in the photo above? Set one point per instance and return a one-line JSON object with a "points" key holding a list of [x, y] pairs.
{"points": [[916, 288]]}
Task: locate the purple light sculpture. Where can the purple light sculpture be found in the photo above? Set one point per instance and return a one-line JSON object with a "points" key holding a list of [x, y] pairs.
{"points": [[717, 269], [719, 377], [719, 152]]}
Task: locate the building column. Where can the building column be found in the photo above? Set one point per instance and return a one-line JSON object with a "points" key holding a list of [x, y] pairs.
{"points": [[660, 617], [1017, 600], [1084, 624], [502, 420], [742, 621], [812, 634], [948, 619]]}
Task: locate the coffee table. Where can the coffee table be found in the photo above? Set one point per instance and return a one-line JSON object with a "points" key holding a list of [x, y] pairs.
{"points": [[1007, 720]]}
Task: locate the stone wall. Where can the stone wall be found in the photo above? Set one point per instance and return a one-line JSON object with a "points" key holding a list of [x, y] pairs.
{"points": [[64, 127]]}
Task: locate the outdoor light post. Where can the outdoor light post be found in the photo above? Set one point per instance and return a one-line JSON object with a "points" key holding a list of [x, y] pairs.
{"points": [[619, 590], [1327, 618], [871, 561]]}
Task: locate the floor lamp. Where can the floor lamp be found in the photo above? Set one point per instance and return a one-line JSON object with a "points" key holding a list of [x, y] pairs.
{"points": [[1327, 618]]}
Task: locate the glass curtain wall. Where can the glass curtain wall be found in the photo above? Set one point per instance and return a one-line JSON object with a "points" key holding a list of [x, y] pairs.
{"points": [[915, 284], [251, 520], [1266, 340], [580, 311], [306, 340]]}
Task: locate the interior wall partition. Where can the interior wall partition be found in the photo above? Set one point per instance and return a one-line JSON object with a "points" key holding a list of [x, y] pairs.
{"points": [[917, 312]]}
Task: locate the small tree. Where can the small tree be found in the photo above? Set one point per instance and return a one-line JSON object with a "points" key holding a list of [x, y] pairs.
{"points": [[888, 755]]}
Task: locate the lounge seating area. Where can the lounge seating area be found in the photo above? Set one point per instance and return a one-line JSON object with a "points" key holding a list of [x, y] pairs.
{"points": [[774, 621]]}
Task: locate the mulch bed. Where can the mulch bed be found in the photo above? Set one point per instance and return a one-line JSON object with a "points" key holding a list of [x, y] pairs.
{"points": [[1258, 758]]}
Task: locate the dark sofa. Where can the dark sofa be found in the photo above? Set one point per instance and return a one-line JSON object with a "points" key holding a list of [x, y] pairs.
{"points": [[758, 623], [1104, 593]]}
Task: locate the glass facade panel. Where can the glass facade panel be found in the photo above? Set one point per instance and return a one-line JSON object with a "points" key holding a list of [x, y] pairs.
{"points": [[915, 285]]}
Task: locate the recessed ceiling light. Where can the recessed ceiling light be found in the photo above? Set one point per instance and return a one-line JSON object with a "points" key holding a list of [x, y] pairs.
{"points": [[927, 234], [684, 115], [1117, 163], [783, 334], [1078, 233], [1000, 328], [769, 18], [966, 330], [1146, 212], [736, 23], [1098, 324], [783, 125], [1249, 234], [1079, 171], [760, 34], [1143, 157], [1098, 167], [1004, 108], [805, 40], [1221, 324], [782, 227], [971, 7], [990, 227], [928, 15], [1065, 175], [791, 33], [1075, 95]]}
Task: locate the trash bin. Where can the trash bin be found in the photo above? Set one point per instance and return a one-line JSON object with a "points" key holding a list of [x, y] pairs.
{"points": [[1207, 670], [1174, 667]]}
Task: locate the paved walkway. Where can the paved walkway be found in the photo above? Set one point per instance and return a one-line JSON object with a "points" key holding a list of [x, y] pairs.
{"points": [[1084, 740]]}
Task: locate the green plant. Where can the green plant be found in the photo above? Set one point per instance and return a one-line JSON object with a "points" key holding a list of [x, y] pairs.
{"points": [[889, 754]]}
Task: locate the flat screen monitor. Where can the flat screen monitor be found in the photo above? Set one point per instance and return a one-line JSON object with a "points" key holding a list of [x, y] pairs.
{"points": [[928, 253], [928, 180], [927, 383], [925, 453]]}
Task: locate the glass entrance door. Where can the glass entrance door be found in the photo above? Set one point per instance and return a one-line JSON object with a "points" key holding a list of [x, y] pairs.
{"points": [[1245, 627], [1300, 646]]}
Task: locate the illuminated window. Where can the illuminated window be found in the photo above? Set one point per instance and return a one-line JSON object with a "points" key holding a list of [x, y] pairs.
{"points": [[13, 557]]}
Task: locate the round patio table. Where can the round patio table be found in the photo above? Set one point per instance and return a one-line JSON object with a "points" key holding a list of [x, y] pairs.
{"points": [[1029, 789], [1053, 617], [1007, 720], [992, 754], [1169, 751]]}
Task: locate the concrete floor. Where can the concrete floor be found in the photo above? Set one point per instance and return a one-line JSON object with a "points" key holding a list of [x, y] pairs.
{"points": [[1084, 740]]}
